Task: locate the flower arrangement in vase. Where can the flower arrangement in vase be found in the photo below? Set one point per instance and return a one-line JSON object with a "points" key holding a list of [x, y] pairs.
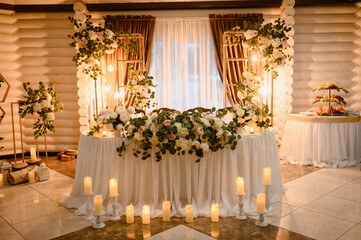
{"points": [[329, 98]]}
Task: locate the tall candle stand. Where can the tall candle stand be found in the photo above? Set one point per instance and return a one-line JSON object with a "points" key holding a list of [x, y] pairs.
{"points": [[267, 200], [261, 222], [89, 207], [241, 215], [114, 200], [98, 222]]}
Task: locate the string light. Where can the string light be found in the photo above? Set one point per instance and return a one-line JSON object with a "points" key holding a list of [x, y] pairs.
{"points": [[254, 57], [104, 132], [106, 89], [110, 68], [117, 95]]}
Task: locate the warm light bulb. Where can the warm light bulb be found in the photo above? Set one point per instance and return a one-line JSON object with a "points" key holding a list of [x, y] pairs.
{"points": [[116, 95], [106, 89], [104, 132], [251, 130], [110, 68], [254, 57]]}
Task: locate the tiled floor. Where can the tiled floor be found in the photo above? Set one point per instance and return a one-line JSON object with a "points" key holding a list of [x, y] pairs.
{"points": [[323, 204]]}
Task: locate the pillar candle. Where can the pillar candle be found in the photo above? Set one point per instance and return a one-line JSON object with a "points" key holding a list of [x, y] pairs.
{"points": [[113, 187], [98, 204], [166, 211], [215, 212], [33, 154], [88, 185], [189, 213], [1, 180], [240, 186], [267, 176], [145, 214], [261, 202], [130, 214], [31, 177]]}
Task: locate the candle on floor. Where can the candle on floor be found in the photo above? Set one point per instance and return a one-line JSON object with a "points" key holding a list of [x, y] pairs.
{"points": [[189, 213], [33, 154], [215, 212], [166, 211], [113, 187], [240, 186], [88, 185], [261, 202], [98, 204], [1, 179], [267, 176], [31, 177], [145, 214], [130, 214]]}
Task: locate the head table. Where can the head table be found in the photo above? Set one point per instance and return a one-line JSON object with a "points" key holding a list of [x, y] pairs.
{"points": [[322, 141], [178, 179]]}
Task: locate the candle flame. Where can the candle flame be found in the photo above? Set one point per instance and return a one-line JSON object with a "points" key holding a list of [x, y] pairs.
{"points": [[240, 179]]}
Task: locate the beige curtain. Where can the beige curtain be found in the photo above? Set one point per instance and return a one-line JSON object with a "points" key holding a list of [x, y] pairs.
{"points": [[124, 24], [219, 25]]}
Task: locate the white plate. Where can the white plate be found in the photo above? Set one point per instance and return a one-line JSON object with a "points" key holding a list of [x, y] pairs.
{"points": [[307, 113]]}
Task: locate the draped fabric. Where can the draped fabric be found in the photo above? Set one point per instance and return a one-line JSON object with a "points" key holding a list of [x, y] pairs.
{"points": [[127, 24], [220, 24], [183, 64]]}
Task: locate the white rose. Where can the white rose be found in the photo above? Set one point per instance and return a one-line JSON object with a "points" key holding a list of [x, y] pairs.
{"points": [[108, 126], [51, 116], [247, 75], [106, 116], [92, 124], [148, 122], [100, 119], [276, 42], [228, 118], [113, 115], [120, 110], [219, 133], [205, 147], [124, 117], [240, 112], [137, 136], [109, 33], [240, 95], [154, 116], [255, 100], [218, 123], [153, 128], [205, 122], [48, 97], [277, 54], [120, 127], [45, 104], [248, 34], [92, 35], [114, 45], [131, 110]]}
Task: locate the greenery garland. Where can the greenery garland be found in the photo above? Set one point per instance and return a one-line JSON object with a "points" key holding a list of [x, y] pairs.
{"points": [[44, 103]]}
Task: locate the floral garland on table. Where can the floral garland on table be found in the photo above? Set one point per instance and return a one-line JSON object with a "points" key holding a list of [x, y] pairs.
{"points": [[140, 86], [268, 40], [43, 102], [93, 42]]}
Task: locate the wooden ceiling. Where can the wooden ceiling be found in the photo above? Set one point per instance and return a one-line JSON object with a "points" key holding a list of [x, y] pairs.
{"points": [[165, 5]]}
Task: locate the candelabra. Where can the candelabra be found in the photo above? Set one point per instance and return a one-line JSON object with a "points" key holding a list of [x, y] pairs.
{"points": [[241, 215], [89, 208], [98, 223], [114, 200], [261, 222]]}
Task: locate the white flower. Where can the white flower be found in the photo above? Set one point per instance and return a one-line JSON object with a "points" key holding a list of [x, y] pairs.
{"points": [[228, 117], [247, 75], [109, 33], [108, 126], [277, 54], [131, 128], [219, 133], [114, 45], [153, 128], [113, 115], [276, 42], [196, 143], [37, 107], [218, 123], [137, 136], [51, 116], [240, 95], [141, 77], [120, 110], [100, 119], [131, 110], [92, 35], [240, 112], [209, 117], [255, 100], [248, 34], [154, 140], [48, 97], [124, 117], [120, 127], [254, 118], [106, 116], [205, 147], [92, 124], [148, 122], [205, 122]]}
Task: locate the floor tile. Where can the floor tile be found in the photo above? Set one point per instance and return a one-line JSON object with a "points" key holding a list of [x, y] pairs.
{"points": [[292, 171], [9, 233], [279, 210], [313, 224], [16, 195], [3, 223], [298, 197], [88, 234], [51, 226], [349, 191], [356, 182], [337, 207], [272, 232], [181, 232], [29, 210], [53, 187], [353, 234], [337, 174]]}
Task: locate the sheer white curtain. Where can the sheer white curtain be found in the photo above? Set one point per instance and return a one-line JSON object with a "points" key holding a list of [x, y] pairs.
{"points": [[183, 64]]}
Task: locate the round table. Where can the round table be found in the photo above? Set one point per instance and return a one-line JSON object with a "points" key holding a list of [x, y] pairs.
{"points": [[322, 141], [178, 179]]}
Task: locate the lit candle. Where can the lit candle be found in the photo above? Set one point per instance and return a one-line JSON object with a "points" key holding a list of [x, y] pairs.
{"points": [[240, 186], [215, 212], [130, 214], [1, 180], [113, 187], [267, 176], [88, 185], [261, 202], [33, 154], [145, 214], [31, 177], [189, 213], [166, 211], [98, 204]]}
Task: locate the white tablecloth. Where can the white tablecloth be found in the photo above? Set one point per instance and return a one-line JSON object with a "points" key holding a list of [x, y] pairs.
{"points": [[179, 179], [320, 142]]}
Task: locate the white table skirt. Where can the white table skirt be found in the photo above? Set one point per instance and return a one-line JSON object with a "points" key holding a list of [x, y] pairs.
{"points": [[322, 144], [179, 179]]}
